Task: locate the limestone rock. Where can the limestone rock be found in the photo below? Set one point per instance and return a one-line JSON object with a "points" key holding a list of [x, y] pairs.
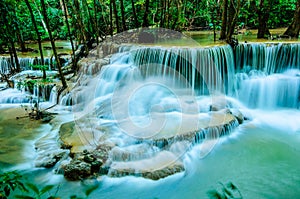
{"points": [[160, 166], [49, 159], [239, 116]]}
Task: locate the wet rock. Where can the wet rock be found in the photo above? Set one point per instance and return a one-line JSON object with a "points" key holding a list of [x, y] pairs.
{"points": [[86, 164], [89, 158], [48, 160], [77, 170], [160, 166], [238, 115]]}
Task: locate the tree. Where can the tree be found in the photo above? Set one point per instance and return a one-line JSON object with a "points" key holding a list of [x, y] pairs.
{"points": [[230, 15], [8, 25], [263, 17], [146, 13], [38, 36], [114, 6], [124, 28], [294, 27], [74, 60], [224, 20], [62, 77], [136, 22]]}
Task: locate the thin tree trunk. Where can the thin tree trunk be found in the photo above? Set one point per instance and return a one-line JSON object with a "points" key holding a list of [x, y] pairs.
{"points": [[81, 27], [167, 13], [96, 21], [74, 61], [146, 13], [124, 28], [263, 17], [162, 16], [62, 77], [12, 61], [16, 60], [38, 37], [116, 15], [294, 27], [21, 40], [136, 23], [43, 22], [232, 19], [92, 25], [224, 20], [111, 18]]}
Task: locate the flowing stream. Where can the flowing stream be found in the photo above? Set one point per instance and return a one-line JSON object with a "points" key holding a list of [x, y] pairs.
{"points": [[168, 89]]}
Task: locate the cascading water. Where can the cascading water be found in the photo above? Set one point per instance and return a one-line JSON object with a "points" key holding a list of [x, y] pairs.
{"points": [[146, 98], [268, 75]]}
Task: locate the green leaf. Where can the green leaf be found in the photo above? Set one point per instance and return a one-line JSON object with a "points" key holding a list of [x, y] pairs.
{"points": [[46, 189], [33, 188]]}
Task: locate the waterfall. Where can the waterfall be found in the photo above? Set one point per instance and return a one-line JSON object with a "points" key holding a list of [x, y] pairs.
{"points": [[206, 70], [26, 63], [268, 75], [266, 57]]}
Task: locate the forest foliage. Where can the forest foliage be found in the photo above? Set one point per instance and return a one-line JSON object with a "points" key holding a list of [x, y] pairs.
{"points": [[94, 19], [87, 22]]}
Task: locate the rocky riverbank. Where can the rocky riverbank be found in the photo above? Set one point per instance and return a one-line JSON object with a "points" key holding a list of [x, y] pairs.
{"points": [[152, 158]]}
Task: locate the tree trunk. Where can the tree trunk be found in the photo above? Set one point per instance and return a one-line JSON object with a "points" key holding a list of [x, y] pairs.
{"points": [[38, 37], [62, 77], [232, 19], [146, 13], [162, 15], [81, 27], [96, 22], [74, 60], [116, 14], [224, 20], [12, 60], [16, 60], [123, 16], [136, 22], [21, 40], [111, 19], [294, 27], [263, 17]]}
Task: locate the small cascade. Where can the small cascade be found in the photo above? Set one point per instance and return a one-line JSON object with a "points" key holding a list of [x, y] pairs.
{"points": [[42, 91], [206, 70], [4, 66], [13, 96], [27, 63], [266, 57], [268, 75], [258, 90]]}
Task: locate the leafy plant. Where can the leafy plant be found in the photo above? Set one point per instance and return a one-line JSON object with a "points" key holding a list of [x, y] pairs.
{"points": [[37, 193], [9, 182], [40, 67], [14, 181]]}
